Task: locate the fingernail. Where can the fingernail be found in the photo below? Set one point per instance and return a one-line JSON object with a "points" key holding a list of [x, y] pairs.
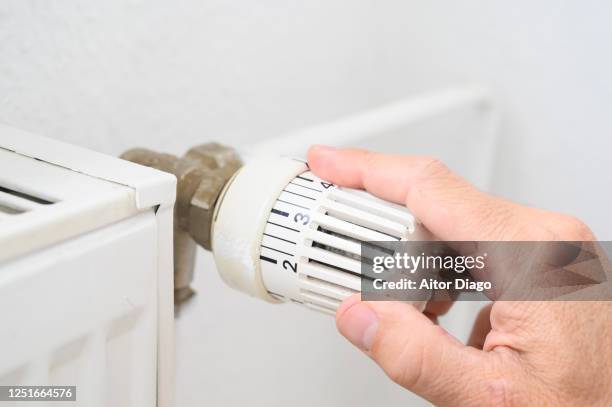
{"points": [[358, 324]]}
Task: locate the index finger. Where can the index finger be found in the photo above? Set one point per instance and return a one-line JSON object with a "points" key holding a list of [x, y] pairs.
{"points": [[449, 206]]}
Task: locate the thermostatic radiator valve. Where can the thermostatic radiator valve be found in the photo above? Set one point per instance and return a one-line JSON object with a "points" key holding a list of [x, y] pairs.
{"points": [[279, 232]]}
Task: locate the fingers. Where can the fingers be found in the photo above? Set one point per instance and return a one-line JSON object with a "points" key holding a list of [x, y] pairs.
{"points": [[482, 326], [438, 308], [449, 206], [388, 177], [420, 355]]}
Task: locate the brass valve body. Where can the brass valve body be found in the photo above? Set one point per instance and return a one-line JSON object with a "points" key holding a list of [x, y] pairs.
{"points": [[201, 175]]}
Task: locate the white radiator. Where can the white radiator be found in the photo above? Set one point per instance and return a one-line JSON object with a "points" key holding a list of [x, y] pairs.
{"points": [[85, 274]]}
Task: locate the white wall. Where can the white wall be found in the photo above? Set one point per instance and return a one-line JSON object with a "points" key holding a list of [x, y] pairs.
{"points": [[550, 63], [114, 74]]}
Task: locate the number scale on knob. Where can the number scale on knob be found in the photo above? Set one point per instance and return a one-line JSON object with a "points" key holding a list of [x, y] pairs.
{"points": [[310, 248]]}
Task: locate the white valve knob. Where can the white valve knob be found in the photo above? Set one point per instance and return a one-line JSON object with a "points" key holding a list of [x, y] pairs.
{"points": [[283, 234]]}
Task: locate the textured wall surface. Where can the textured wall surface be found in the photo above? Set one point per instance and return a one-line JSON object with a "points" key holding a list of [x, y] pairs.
{"points": [[113, 74], [109, 74]]}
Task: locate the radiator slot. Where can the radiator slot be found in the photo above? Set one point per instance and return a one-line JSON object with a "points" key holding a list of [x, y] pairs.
{"points": [[23, 195], [13, 202]]}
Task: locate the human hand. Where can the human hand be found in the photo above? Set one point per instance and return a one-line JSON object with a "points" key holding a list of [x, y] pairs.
{"points": [[519, 353]]}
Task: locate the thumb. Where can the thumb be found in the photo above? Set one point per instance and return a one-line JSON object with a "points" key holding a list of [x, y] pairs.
{"points": [[423, 357]]}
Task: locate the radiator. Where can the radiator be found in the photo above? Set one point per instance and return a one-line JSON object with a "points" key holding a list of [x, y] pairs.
{"points": [[85, 274]]}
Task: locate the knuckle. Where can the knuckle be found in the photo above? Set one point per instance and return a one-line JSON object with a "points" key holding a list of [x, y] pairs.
{"points": [[433, 167], [433, 176], [572, 228]]}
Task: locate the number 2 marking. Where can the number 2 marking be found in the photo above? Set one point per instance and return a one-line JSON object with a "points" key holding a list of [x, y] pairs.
{"points": [[326, 185], [288, 265]]}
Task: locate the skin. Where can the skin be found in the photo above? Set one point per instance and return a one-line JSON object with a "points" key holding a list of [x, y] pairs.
{"points": [[519, 353]]}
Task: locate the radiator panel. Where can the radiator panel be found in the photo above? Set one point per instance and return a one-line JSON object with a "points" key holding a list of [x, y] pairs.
{"points": [[98, 328], [86, 274]]}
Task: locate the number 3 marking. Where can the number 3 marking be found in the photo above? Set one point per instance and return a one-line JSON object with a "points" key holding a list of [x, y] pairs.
{"points": [[301, 218]]}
